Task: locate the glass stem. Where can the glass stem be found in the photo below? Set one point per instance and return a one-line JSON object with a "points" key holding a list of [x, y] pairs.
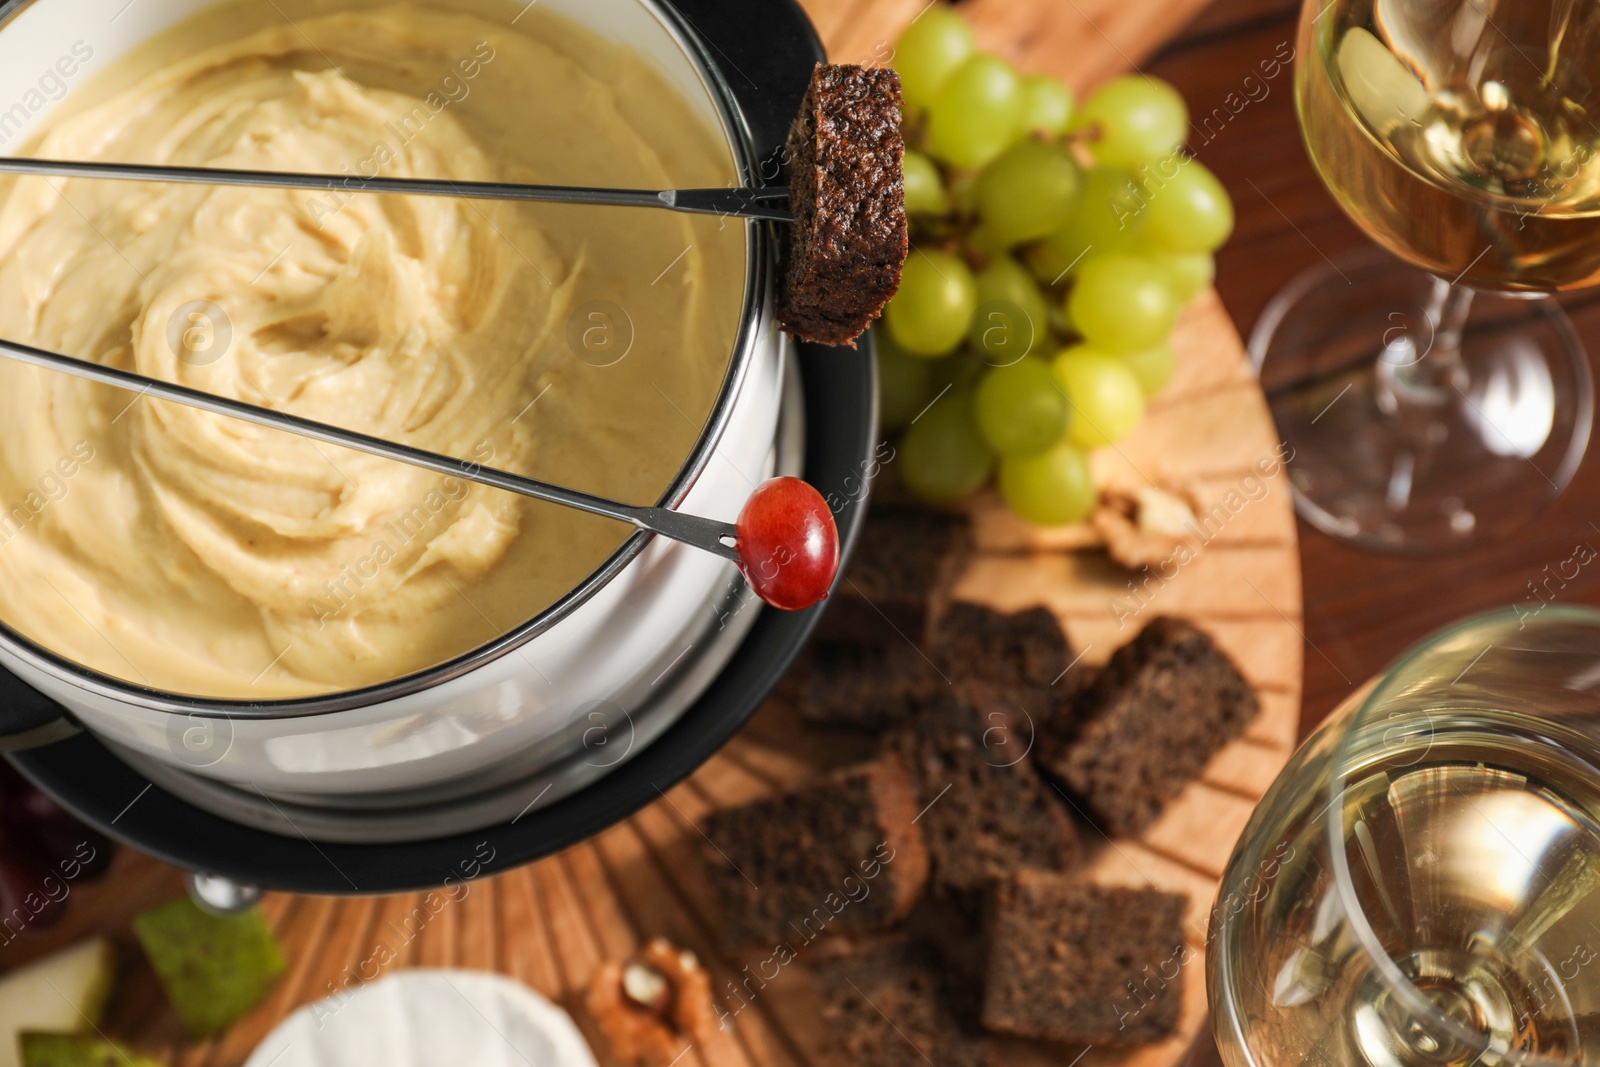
{"points": [[1429, 373]]}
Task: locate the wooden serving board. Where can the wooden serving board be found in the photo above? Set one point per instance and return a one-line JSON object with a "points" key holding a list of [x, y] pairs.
{"points": [[550, 924]]}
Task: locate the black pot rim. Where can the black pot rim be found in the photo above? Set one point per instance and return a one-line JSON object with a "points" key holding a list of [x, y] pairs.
{"points": [[774, 39]]}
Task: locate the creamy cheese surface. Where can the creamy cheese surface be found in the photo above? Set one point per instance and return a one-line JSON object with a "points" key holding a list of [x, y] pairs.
{"points": [[198, 554]]}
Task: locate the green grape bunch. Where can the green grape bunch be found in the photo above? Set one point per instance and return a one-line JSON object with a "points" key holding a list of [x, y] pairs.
{"points": [[1054, 246]]}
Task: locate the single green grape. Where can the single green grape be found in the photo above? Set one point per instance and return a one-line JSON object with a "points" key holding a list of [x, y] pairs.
{"points": [[1027, 192], [1013, 316], [1107, 218], [943, 457], [1153, 367], [986, 242], [1050, 488], [1046, 105], [1020, 408], [976, 113], [1047, 266], [1134, 119], [1122, 303], [930, 314], [905, 382], [929, 52], [1190, 212], [925, 193], [1103, 393], [1187, 272]]}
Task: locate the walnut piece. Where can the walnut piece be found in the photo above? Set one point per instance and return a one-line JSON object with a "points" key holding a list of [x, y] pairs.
{"points": [[653, 1006], [647, 987], [1144, 526]]}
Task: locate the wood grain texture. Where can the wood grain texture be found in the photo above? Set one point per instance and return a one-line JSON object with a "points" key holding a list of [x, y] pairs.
{"points": [[1362, 610], [551, 924], [1081, 42]]}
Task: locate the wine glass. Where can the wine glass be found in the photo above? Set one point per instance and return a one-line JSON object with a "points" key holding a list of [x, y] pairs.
{"points": [[1421, 886], [1426, 408]]}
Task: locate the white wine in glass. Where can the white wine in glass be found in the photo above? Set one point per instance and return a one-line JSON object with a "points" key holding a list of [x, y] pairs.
{"points": [[1480, 164], [1421, 887], [1429, 407]]}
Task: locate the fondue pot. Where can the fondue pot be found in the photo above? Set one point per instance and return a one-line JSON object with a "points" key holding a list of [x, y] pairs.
{"points": [[565, 723]]}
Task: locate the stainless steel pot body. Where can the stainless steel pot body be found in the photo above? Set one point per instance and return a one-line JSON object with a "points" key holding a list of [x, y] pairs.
{"points": [[644, 633]]}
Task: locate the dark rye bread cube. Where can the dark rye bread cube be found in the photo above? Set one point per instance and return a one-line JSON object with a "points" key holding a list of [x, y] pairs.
{"points": [[1020, 648], [1082, 963], [1147, 725], [1018, 659], [985, 811], [905, 562], [863, 687], [878, 686], [897, 1004], [841, 855], [849, 239]]}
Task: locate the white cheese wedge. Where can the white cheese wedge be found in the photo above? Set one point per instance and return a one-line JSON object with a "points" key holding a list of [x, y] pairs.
{"points": [[424, 1018]]}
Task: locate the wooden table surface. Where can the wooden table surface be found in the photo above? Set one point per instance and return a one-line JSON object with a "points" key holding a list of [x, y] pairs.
{"points": [[1361, 609]]}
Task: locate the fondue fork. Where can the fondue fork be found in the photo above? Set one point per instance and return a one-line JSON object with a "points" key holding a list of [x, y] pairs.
{"points": [[739, 202], [785, 541]]}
